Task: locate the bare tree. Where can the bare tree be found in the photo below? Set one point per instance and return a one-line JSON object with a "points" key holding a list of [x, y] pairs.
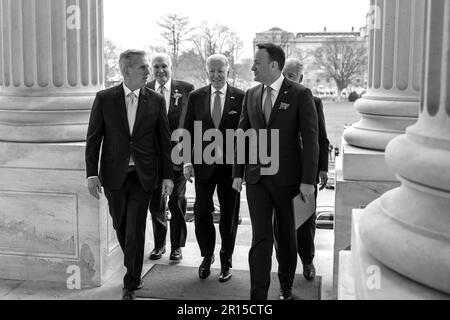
{"points": [[112, 70], [210, 40], [342, 61], [217, 38], [175, 30]]}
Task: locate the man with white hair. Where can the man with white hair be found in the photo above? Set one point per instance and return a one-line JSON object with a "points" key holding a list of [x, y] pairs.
{"points": [[175, 93], [293, 70], [216, 107]]}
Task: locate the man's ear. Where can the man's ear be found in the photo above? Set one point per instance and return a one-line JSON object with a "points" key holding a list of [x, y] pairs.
{"points": [[301, 78], [275, 64]]}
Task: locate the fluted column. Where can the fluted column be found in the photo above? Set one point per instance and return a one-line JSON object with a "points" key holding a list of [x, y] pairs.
{"points": [[51, 66], [391, 103], [408, 229]]}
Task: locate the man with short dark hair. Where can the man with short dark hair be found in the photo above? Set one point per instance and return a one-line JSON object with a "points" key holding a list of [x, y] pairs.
{"points": [[293, 70], [277, 105], [175, 93], [127, 122]]}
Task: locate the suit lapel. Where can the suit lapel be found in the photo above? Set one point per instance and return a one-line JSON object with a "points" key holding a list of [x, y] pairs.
{"points": [[207, 105], [258, 105], [121, 107], [143, 102], [173, 87], [227, 105], [283, 96]]}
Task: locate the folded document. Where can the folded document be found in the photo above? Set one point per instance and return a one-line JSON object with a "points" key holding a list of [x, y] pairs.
{"points": [[302, 210]]}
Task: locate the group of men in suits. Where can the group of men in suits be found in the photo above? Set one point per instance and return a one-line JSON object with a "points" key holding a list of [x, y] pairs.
{"points": [[132, 123]]}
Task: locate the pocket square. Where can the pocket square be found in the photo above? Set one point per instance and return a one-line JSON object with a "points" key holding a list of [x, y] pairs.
{"points": [[232, 112], [284, 106]]}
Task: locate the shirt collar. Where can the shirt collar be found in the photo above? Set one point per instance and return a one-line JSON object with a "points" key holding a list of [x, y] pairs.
{"points": [[276, 86], [166, 85], [127, 91], [223, 90]]}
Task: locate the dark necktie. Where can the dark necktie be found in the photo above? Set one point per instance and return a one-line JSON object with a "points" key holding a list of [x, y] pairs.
{"points": [[217, 110], [267, 109], [162, 89]]}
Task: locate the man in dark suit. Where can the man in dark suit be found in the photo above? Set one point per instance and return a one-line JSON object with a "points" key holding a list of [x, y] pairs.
{"points": [[278, 106], [293, 70], [129, 121], [216, 108], [176, 94]]}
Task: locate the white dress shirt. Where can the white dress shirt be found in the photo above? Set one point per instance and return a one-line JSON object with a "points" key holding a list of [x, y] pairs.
{"points": [[167, 91], [276, 86], [222, 98], [128, 104]]}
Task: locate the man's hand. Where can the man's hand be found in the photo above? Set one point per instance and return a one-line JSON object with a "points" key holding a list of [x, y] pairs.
{"points": [[323, 177], [167, 187], [305, 191], [188, 172], [237, 184], [95, 187]]}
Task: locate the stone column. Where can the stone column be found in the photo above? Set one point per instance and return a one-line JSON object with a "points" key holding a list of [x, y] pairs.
{"points": [[391, 103], [407, 229], [51, 66]]}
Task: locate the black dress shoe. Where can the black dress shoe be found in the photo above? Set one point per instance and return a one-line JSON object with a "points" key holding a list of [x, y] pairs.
{"points": [[225, 274], [205, 267], [286, 294], [140, 286], [176, 254], [157, 253], [309, 271], [128, 294]]}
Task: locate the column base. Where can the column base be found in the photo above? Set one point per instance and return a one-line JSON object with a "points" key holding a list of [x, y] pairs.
{"points": [[51, 229], [407, 230], [346, 283], [364, 164], [374, 281], [355, 193]]}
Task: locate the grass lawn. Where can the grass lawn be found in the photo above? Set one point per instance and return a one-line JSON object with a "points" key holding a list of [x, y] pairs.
{"points": [[337, 115]]}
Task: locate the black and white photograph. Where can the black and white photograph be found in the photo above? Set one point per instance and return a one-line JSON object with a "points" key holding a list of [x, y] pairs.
{"points": [[225, 156]]}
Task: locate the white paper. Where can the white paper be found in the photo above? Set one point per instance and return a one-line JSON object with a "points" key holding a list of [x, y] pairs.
{"points": [[303, 211]]}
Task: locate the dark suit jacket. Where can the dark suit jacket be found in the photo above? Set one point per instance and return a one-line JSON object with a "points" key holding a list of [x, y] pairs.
{"points": [[176, 112], [297, 164], [199, 109], [324, 143], [109, 124]]}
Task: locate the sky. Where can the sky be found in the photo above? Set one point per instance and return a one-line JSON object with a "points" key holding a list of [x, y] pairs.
{"points": [[133, 23]]}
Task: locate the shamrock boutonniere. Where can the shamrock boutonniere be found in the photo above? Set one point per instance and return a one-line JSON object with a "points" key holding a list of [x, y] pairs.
{"points": [[284, 106], [176, 95]]}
